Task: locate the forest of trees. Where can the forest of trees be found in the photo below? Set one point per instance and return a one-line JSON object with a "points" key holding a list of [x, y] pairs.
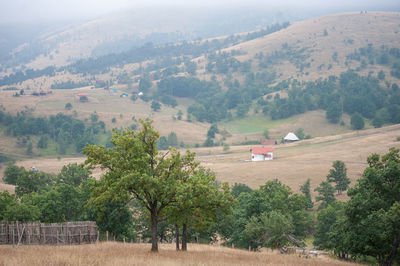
{"points": [[64, 130]]}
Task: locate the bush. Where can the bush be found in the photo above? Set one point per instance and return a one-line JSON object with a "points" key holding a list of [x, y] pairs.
{"points": [[156, 106]]}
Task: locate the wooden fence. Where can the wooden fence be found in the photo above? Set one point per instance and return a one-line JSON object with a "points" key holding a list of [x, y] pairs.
{"points": [[69, 233]]}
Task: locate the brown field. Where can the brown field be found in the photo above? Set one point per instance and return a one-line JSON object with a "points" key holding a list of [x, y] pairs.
{"points": [[107, 106], [293, 163], [112, 253]]}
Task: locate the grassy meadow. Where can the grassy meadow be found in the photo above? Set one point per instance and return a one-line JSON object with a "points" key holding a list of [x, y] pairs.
{"points": [[112, 253]]}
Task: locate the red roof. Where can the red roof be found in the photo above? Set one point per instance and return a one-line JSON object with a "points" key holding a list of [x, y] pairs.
{"points": [[261, 150], [82, 94]]}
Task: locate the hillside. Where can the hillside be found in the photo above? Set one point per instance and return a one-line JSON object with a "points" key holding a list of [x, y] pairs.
{"points": [[122, 30], [313, 43], [255, 81]]}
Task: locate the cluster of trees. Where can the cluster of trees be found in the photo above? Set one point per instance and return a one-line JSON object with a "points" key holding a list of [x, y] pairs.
{"points": [[61, 129], [271, 216], [383, 56], [368, 225], [170, 141], [351, 93], [68, 85], [21, 76], [45, 197], [208, 95], [224, 63], [212, 104]]}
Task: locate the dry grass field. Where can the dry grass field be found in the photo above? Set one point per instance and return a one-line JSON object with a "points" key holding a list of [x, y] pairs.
{"points": [[344, 33], [111, 253], [107, 106]]}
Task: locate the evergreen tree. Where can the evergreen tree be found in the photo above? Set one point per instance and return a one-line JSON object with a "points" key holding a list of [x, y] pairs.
{"points": [[338, 175], [333, 113], [305, 189], [326, 194]]}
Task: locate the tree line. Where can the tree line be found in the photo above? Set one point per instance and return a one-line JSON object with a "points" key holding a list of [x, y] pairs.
{"points": [[64, 130]]}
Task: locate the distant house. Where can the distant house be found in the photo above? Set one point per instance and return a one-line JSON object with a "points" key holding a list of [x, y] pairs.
{"points": [[290, 137], [83, 97], [262, 153], [268, 142]]}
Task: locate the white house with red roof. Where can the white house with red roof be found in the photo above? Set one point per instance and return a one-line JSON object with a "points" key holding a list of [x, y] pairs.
{"points": [[262, 153]]}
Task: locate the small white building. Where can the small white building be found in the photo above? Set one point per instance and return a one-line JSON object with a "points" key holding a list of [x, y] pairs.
{"points": [[290, 137], [262, 153]]}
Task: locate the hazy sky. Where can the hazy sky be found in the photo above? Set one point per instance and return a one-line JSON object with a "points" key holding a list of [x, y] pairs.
{"points": [[44, 10]]}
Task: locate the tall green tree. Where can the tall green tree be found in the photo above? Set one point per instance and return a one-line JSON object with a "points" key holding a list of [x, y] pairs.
{"points": [[373, 211], [12, 173], [326, 194], [338, 175], [137, 171], [73, 174], [328, 233], [212, 131], [305, 189], [31, 181], [200, 200]]}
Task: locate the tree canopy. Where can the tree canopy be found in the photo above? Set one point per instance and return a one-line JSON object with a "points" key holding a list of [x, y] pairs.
{"points": [[136, 171]]}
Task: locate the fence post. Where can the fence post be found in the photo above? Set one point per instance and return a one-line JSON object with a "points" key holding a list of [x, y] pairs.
{"points": [[114, 238], [124, 240], [98, 236], [80, 237], [107, 236], [13, 234], [57, 235]]}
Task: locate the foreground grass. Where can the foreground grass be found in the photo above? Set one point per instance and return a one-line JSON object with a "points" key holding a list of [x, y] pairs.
{"points": [[112, 253]]}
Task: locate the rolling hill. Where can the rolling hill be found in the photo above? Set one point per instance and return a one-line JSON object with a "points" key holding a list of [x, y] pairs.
{"points": [[304, 51], [317, 40]]}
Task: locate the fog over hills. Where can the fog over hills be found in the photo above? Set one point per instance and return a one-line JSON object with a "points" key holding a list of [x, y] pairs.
{"points": [[70, 30]]}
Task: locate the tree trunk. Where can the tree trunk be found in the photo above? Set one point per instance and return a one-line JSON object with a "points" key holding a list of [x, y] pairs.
{"points": [[395, 246], [154, 237], [177, 236], [184, 238]]}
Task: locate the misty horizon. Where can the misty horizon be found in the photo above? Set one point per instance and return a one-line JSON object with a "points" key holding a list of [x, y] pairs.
{"points": [[42, 11]]}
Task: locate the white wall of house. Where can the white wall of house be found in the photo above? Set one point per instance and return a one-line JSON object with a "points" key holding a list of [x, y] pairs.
{"points": [[261, 157], [257, 157]]}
